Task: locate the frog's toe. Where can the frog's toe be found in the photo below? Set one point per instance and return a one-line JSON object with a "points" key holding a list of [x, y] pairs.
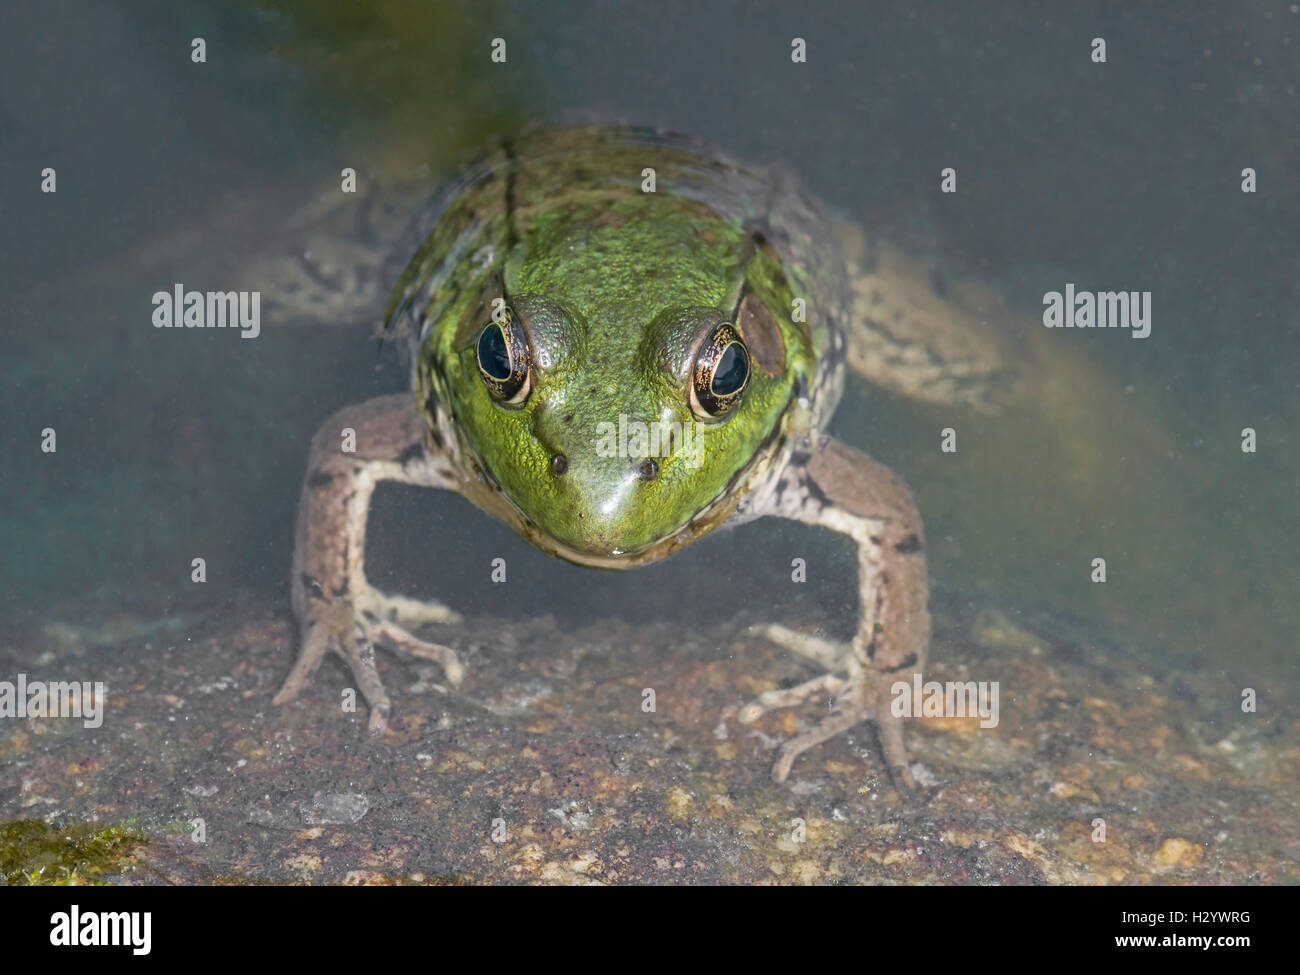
{"points": [[901, 776], [315, 644], [352, 632], [403, 642], [825, 730], [387, 606], [889, 727], [851, 711], [359, 652], [340, 628], [851, 708], [829, 654], [789, 697]]}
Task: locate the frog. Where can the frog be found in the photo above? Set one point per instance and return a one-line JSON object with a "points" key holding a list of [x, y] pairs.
{"points": [[577, 278]]}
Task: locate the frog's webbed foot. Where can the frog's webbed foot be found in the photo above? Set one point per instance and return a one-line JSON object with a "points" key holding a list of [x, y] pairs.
{"points": [[337, 609], [827, 654], [840, 488], [353, 635], [844, 716], [340, 630], [384, 614], [790, 697], [848, 712], [851, 705]]}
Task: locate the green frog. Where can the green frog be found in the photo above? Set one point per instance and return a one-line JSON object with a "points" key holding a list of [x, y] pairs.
{"points": [[579, 283]]}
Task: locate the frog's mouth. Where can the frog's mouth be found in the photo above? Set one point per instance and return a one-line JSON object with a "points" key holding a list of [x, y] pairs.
{"points": [[607, 549], [614, 558]]}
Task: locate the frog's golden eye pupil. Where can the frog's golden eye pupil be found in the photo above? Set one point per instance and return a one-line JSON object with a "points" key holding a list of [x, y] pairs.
{"points": [[494, 353], [504, 360], [732, 371], [721, 373]]}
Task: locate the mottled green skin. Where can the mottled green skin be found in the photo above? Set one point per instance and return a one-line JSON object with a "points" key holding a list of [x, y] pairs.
{"points": [[618, 288]]}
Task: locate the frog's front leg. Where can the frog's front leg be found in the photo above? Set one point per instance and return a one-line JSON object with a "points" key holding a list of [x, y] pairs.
{"points": [[843, 489], [337, 609]]}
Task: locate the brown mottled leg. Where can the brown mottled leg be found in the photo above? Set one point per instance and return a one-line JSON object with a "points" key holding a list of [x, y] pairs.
{"points": [[337, 609], [843, 489]]}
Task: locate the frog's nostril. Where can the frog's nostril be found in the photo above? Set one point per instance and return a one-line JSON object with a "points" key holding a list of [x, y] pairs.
{"points": [[647, 470], [559, 464]]}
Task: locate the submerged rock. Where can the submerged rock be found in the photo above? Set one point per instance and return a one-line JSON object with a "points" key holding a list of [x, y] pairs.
{"points": [[1106, 765]]}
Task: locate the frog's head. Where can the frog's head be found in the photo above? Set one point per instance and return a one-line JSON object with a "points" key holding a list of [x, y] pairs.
{"points": [[615, 376]]}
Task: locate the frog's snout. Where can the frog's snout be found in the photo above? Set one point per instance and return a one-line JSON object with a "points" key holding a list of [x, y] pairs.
{"points": [[599, 508], [645, 470], [604, 494]]}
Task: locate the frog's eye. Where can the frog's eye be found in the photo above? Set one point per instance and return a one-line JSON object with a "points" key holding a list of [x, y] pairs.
{"points": [[721, 373], [503, 359]]}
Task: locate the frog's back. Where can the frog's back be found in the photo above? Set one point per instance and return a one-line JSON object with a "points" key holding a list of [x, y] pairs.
{"points": [[476, 218]]}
